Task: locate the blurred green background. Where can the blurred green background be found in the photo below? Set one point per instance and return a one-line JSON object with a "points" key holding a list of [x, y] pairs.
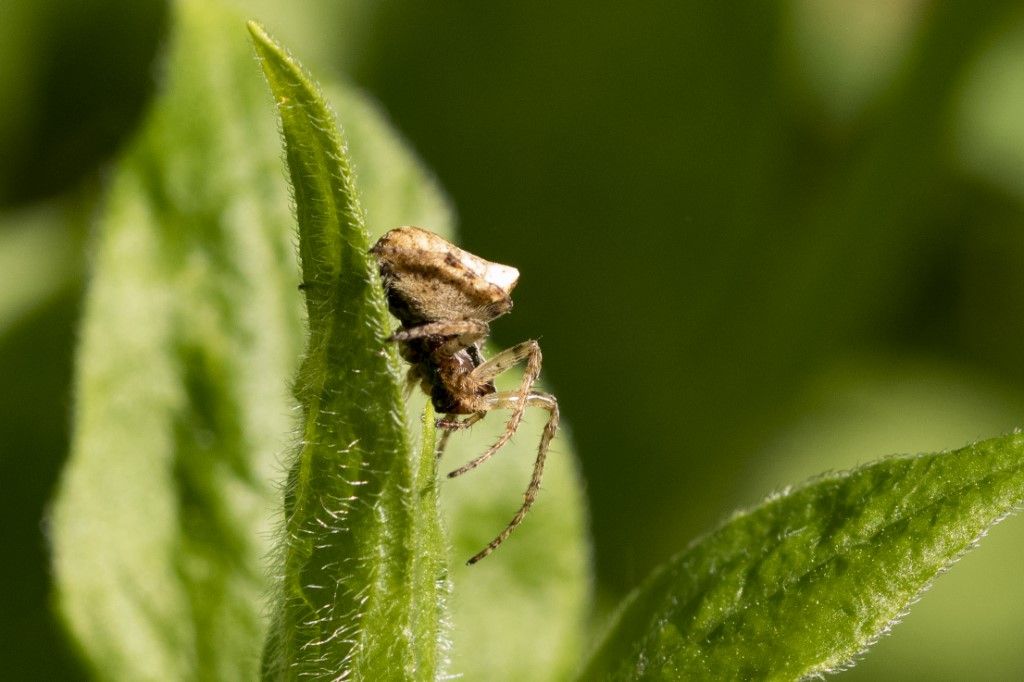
{"points": [[758, 241]]}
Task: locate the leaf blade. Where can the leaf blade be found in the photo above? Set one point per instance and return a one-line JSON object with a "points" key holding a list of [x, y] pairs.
{"points": [[804, 583], [351, 603]]}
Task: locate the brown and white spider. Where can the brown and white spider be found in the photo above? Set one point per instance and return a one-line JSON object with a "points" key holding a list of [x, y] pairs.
{"points": [[444, 297]]}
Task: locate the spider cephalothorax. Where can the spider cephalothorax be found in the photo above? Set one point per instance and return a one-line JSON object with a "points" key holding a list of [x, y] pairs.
{"points": [[444, 297]]}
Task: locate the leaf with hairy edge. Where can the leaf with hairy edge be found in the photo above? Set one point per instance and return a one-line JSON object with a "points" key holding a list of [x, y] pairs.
{"points": [[353, 601], [190, 334], [802, 584]]}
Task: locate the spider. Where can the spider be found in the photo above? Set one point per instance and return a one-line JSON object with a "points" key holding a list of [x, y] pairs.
{"points": [[444, 298]]}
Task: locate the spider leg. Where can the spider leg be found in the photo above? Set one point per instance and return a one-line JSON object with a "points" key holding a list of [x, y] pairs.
{"points": [[513, 400], [462, 333], [506, 359], [449, 426]]}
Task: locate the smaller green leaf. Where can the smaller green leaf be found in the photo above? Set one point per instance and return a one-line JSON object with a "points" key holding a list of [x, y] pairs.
{"points": [[362, 572], [802, 584]]}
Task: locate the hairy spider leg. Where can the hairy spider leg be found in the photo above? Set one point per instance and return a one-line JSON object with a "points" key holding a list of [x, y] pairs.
{"points": [[513, 400], [461, 333], [449, 426], [528, 350]]}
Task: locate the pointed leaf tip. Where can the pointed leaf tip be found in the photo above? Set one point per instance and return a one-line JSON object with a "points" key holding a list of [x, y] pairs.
{"points": [[359, 556]]}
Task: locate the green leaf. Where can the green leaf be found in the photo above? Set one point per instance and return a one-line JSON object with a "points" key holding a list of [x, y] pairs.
{"points": [[908, 404], [362, 572], [191, 330], [804, 583]]}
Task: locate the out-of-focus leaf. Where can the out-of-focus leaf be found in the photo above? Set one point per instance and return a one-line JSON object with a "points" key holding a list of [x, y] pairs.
{"points": [[851, 61], [362, 575], [191, 331], [520, 614], [990, 137], [803, 583], [39, 250]]}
